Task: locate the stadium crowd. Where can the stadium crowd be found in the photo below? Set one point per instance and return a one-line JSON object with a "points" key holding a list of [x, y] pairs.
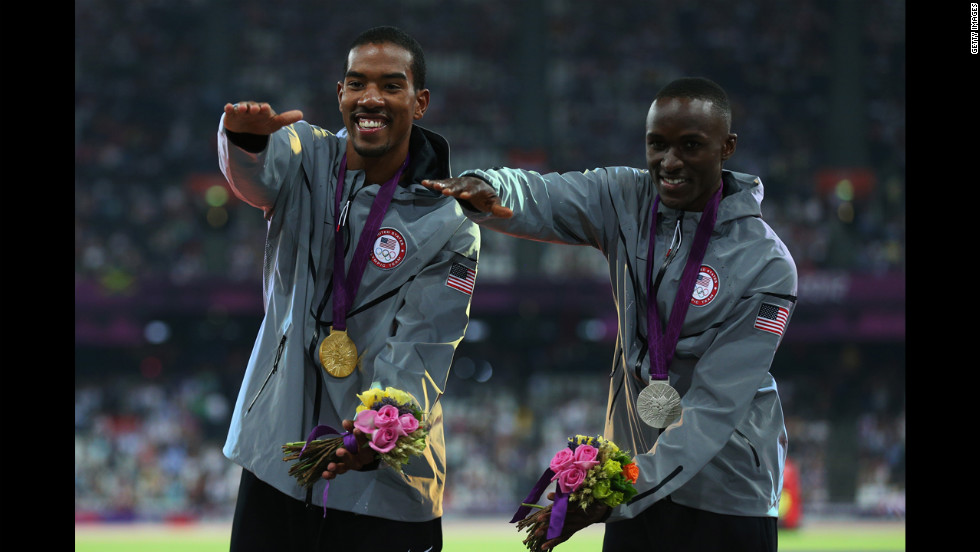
{"points": [[151, 77]]}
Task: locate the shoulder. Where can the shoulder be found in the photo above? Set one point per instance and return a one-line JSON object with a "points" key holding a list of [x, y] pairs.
{"points": [[759, 256], [303, 135]]}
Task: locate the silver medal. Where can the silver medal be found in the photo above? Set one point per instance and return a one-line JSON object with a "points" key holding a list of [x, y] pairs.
{"points": [[659, 404]]}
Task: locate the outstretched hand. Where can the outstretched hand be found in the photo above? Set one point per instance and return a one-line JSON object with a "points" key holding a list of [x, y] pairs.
{"points": [[258, 118], [480, 195], [575, 520], [349, 460]]}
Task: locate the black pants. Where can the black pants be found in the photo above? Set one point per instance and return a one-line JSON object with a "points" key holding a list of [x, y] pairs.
{"points": [[267, 520], [669, 527]]}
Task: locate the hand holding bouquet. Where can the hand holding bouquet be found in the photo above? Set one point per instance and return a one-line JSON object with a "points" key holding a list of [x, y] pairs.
{"points": [[395, 423], [591, 471], [391, 419]]}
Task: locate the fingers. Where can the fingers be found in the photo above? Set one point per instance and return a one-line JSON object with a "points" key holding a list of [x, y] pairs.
{"points": [[436, 185], [248, 108], [334, 469], [362, 439], [290, 117], [499, 210], [258, 117], [476, 192], [548, 545]]}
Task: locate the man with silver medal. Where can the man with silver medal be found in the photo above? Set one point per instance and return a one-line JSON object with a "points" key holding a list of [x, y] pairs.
{"points": [[704, 290]]}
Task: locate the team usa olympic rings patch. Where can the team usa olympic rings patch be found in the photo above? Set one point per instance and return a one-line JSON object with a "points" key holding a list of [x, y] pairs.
{"points": [[389, 249], [706, 286]]}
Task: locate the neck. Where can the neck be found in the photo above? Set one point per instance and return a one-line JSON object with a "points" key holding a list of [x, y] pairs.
{"points": [[377, 170]]}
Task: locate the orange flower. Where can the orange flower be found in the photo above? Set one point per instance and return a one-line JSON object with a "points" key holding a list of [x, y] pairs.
{"points": [[631, 472]]}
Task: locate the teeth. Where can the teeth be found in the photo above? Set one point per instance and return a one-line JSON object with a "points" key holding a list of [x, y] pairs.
{"points": [[672, 181], [370, 123]]}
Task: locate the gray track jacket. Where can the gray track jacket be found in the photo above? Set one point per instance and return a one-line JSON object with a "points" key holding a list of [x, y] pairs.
{"points": [[727, 450], [405, 320]]}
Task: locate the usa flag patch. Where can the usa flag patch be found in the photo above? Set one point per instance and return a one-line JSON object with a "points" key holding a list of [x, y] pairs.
{"points": [[772, 319], [461, 278]]}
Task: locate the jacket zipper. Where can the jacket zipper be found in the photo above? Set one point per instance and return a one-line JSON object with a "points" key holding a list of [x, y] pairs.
{"points": [[752, 448], [275, 368], [672, 249]]}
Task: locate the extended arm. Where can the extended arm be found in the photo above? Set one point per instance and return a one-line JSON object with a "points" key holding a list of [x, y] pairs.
{"points": [[256, 153]]}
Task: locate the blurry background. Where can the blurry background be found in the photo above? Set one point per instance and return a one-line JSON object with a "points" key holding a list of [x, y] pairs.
{"points": [[168, 263]]}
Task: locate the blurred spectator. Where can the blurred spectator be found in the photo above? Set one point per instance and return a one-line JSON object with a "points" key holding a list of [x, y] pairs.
{"points": [[149, 77]]}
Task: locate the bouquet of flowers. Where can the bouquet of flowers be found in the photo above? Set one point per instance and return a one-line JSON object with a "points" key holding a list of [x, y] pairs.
{"points": [[391, 418], [590, 470]]}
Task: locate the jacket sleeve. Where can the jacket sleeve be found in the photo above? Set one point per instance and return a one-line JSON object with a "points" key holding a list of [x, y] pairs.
{"points": [[725, 381], [257, 178], [431, 322], [572, 208]]}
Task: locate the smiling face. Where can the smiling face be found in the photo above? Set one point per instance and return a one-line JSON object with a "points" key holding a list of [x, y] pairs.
{"points": [[687, 142], [379, 104]]}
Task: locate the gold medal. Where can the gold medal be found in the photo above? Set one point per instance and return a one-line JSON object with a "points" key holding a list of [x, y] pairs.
{"points": [[338, 354]]}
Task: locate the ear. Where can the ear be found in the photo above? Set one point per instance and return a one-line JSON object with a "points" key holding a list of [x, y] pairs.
{"points": [[421, 103], [340, 94], [728, 149]]}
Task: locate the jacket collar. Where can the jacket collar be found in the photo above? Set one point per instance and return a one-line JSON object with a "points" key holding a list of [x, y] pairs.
{"points": [[429, 157]]}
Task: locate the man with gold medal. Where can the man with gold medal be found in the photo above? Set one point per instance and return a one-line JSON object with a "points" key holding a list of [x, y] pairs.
{"points": [[704, 290], [368, 278]]}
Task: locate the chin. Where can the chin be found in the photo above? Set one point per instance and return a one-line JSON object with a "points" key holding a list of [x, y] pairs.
{"points": [[371, 151]]}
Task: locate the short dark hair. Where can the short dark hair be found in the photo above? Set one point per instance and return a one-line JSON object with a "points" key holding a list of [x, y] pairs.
{"points": [[393, 35], [699, 88]]}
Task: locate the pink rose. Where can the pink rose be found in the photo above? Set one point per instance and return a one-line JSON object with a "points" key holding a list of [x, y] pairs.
{"points": [[570, 479], [384, 439], [561, 460], [408, 423], [387, 416], [365, 421], [585, 456]]}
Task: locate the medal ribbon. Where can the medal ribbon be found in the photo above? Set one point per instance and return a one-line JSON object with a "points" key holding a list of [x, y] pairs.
{"points": [[559, 508], [350, 443], [346, 287], [663, 344]]}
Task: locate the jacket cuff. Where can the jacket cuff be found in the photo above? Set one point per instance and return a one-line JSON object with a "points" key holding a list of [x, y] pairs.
{"points": [[252, 143]]}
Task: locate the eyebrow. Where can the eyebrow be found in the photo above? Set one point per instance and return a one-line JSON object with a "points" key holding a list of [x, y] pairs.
{"points": [[686, 136], [396, 75]]}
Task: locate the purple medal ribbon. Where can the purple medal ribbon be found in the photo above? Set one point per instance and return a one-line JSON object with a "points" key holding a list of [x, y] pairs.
{"points": [[558, 509], [346, 288], [662, 345], [350, 443]]}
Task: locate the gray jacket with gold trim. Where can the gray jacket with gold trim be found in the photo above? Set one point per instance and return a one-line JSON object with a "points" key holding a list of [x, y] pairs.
{"points": [[405, 320], [726, 451]]}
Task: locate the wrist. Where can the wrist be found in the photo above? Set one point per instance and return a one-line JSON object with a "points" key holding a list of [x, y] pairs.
{"points": [[252, 143], [372, 465]]}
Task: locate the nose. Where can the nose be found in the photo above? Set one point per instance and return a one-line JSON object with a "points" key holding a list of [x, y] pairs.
{"points": [[371, 97], [670, 162]]}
